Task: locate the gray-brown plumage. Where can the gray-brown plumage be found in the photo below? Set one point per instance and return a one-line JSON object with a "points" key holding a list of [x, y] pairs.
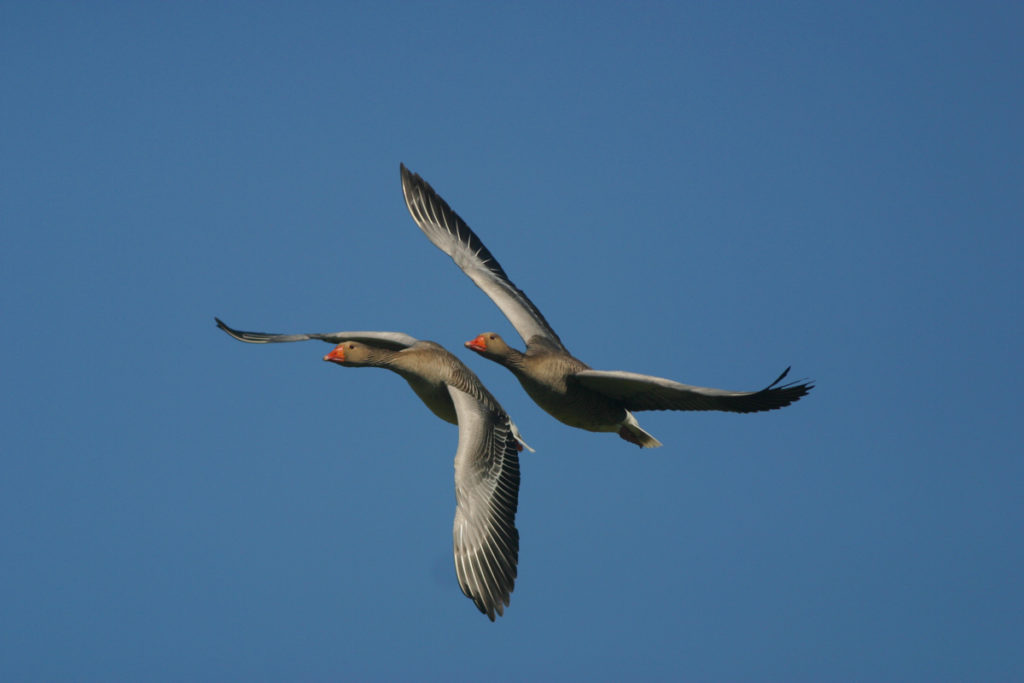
{"points": [[561, 384], [485, 539]]}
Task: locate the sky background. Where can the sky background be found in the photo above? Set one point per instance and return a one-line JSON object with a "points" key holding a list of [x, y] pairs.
{"points": [[703, 191]]}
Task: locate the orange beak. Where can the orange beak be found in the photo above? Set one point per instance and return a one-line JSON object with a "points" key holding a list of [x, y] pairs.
{"points": [[477, 344], [337, 355]]}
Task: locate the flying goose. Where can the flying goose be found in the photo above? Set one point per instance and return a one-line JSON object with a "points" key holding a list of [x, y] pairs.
{"points": [[560, 383], [485, 539]]}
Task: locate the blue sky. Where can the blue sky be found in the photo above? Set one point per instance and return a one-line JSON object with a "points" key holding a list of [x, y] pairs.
{"points": [[703, 191]]}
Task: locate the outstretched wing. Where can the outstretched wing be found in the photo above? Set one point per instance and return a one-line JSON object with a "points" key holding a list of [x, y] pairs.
{"points": [[390, 340], [485, 539], [644, 392], [450, 234]]}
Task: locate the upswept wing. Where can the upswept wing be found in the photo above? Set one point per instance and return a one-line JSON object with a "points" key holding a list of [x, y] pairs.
{"points": [[390, 340], [485, 539], [644, 392], [450, 234]]}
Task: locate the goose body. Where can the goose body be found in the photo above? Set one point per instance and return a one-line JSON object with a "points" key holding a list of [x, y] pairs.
{"points": [[485, 538], [561, 384]]}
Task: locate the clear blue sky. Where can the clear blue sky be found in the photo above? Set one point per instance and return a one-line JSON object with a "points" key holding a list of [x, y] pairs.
{"points": [[702, 191]]}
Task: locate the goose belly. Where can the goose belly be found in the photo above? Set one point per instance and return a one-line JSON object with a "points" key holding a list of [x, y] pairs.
{"points": [[436, 397], [577, 407]]}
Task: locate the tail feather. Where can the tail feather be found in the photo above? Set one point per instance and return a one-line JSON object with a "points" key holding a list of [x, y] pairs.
{"points": [[519, 439], [631, 431]]}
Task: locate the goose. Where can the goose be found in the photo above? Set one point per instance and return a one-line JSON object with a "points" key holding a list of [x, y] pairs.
{"points": [[484, 535], [561, 384]]}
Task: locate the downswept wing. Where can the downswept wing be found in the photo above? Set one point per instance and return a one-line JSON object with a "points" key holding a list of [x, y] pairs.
{"points": [[644, 392], [484, 536], [391, 340], [450, 234]]}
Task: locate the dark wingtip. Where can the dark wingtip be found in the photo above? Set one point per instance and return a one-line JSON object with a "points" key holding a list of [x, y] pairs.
{"points": [[780, 377], [786, 394], [796, 390], [412, 182], [234, 334]]}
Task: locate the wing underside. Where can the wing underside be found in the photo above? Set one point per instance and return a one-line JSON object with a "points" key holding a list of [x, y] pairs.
{"points": [[452, 235], [484, 535], [390, 340], [646, 392]]}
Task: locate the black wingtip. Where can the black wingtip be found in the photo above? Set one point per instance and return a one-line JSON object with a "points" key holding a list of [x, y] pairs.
{"points": [[780, 377], [410, 181], [234, 334], [787, 393], [414, 182]]}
